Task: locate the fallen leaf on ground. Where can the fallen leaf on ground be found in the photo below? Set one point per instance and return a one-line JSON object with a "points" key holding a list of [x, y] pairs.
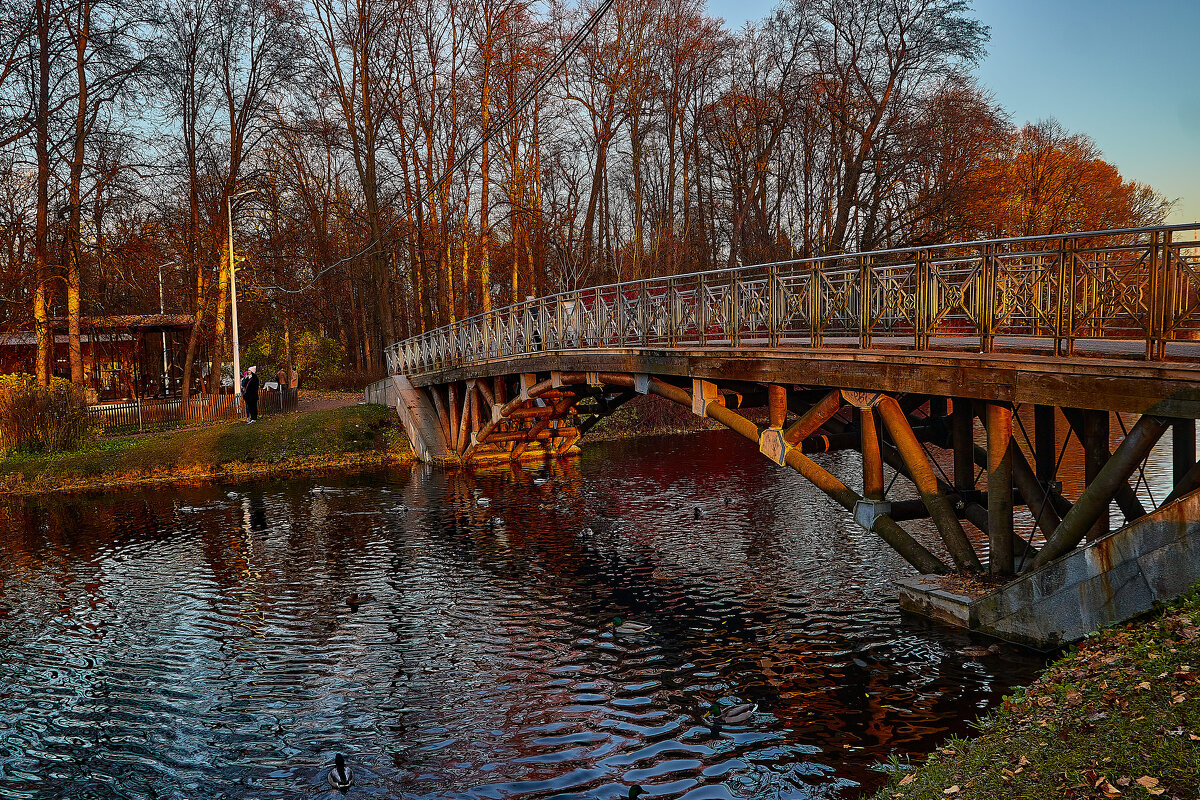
{"points": [[1150, 785], [952, 790], [907, 779]]}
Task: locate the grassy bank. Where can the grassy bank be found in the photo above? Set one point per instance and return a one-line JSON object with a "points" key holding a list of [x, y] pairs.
{"points": [[277, 444], [648, 415], [1116, 716]]}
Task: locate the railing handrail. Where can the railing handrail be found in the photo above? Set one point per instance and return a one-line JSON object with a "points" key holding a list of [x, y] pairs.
{"points": [[831, 264]]}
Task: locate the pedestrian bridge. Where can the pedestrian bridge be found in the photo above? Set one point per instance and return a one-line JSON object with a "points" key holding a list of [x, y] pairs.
{"points": [[888, 353]]}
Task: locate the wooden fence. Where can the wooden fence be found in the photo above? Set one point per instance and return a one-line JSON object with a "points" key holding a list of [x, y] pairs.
{"points": [[142, 414]]}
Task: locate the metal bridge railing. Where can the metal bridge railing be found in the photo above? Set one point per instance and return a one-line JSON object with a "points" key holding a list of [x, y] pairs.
{"points": [[1135, 285]]}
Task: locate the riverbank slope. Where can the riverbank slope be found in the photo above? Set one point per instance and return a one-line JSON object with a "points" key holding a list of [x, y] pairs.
{"points": [[1116, 716], [327, 438]]}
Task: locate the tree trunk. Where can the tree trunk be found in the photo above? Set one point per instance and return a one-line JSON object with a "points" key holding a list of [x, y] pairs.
{"points": [[76, 173], [41, 299]]}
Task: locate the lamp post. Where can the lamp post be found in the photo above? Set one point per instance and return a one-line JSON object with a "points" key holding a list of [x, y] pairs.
{"points": [[237, 355], [161, 311]]}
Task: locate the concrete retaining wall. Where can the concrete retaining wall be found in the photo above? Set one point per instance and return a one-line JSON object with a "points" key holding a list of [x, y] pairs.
{"points": [[382, 392], [1151, 560]]}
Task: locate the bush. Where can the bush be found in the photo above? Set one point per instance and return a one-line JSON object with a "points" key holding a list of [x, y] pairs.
{"points": [[42, 418], [321, 361]]}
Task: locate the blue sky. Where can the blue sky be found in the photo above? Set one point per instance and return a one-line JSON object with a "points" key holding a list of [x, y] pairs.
{"points": [[1125, 73]]}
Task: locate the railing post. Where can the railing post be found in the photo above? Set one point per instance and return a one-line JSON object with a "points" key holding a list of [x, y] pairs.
{"points": [[1171, 304], [864, 302], [815, 323], [987, 313], [1157, 300], [735, 316], [774, 317], [672, 334], [620, 304], [701, 310], [558, 316], [526, 327], [601, 324], [644, 312], [920, 298], [1068, 267]]}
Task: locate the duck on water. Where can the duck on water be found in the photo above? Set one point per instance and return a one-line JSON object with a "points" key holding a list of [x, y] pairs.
{"points": [[341, 777]]}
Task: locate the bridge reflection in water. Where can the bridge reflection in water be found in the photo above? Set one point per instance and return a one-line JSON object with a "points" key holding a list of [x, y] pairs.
{"points": [[894, 354], [197, 643]]}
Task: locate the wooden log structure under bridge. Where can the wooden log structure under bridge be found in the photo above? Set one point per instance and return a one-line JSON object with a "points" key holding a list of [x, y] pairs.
{"points": [[895, 354]]}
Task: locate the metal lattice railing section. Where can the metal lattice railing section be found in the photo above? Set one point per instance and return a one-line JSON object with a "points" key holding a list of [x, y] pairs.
{"points": [[1051, 291]]}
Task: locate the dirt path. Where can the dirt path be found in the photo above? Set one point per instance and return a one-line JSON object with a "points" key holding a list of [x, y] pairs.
{"points": [[311, 400]]}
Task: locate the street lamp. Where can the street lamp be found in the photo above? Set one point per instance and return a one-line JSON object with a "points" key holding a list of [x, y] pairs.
{"points": [[162, 309], [237, 355]]}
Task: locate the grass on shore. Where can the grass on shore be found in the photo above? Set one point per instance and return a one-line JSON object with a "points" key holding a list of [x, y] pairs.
{"points": [[1117, 716], [648, 415], [359, 434]]}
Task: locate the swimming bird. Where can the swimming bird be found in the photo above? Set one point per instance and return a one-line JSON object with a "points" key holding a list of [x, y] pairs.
{"points": [[341, 777], [629, 626], [697, 513], [355, 600], [483, 502], [736, 714], [635, 792]]}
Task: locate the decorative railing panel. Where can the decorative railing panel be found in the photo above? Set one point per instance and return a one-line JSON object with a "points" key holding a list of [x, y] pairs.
{"points": [[1034, 293]]}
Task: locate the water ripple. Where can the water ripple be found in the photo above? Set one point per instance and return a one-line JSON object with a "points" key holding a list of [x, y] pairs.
{"points": [[198, 642]]}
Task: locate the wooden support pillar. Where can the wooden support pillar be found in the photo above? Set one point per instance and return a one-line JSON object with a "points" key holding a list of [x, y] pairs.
{"points": [[452, 411], [1036, 496], [777, 402], [770, 441], [443, 417], [1000, 478], [1099, 492], [1045, 448], [1183, 448], [476, 405], [963, 432], [1094, 438], [938, 406], [489, 398], [468, 404], [1125, 497], [872, 457], [923, 476]]}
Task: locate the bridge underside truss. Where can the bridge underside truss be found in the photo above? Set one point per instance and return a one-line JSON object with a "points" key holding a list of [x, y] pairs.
{"points": [[971, 500]]}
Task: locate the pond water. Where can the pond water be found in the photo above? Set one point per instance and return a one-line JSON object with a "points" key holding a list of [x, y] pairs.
{"points": [[197, 642]]}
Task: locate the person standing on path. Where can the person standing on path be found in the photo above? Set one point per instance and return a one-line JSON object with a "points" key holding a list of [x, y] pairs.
{"points": [[251, 393]]}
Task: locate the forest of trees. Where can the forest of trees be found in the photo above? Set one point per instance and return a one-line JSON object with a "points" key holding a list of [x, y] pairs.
{"points": [[625, 139]]}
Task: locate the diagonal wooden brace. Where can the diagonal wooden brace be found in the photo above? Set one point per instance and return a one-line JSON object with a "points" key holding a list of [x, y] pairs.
{"points": [[901, 541], [1126, 498], [921, 471], [810, 421], [1099, 493]]}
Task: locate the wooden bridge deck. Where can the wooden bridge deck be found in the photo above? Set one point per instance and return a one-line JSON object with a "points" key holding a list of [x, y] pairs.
{"points": [[1109, 384]]}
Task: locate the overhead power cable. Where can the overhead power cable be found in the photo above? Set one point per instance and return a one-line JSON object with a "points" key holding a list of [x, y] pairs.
{"points": [[526, 97]]}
